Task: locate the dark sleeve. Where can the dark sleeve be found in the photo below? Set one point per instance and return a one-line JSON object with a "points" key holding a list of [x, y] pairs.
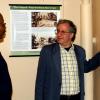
{"points": [[5, 81], [92, 63], [39, 85]]}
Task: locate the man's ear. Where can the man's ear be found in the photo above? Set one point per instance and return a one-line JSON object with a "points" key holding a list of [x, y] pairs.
{"points": [[71, 35], [2, 28], [1, 18]]}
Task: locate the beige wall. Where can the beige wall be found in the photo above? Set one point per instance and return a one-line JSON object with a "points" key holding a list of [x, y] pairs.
{"points": [[23, 69], [96, 33]]}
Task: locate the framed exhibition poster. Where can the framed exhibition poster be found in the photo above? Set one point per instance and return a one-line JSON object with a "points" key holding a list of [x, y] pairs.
{"points": [[32, 27]]}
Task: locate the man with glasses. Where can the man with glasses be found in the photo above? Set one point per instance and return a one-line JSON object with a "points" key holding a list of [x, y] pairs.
{"points": [[61, 67]]}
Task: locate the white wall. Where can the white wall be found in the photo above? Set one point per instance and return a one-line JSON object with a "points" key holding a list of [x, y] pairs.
{"points": [[23, 69]]}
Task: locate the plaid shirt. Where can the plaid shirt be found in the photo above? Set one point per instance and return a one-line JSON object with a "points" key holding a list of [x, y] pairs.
{"points": [[70, 78]]}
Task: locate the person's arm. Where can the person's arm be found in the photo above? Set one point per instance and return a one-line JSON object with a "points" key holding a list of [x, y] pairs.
{"points": [[5, 81], [92, 63], [39, 85]]}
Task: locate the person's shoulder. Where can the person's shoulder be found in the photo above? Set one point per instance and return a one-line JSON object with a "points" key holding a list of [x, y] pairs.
{"points": [[79, 47], [50, 46], [2, 60], [1, 55]]}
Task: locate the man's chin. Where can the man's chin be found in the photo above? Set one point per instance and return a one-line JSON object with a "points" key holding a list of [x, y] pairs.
{"points": [[60, 41]]}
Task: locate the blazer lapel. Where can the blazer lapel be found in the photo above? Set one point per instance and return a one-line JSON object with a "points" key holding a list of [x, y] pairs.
{"points": [[57, 59], [79, 59]]}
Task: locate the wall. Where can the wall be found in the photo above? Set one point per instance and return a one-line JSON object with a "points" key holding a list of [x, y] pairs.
{"points": [[23, 69], [96, 33]]}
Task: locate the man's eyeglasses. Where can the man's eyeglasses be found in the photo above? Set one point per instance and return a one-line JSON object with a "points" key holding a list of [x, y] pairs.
{"points": [[61, 32]]}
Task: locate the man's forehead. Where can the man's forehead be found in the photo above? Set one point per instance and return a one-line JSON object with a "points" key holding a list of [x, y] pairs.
{"points": [[65, 25]]}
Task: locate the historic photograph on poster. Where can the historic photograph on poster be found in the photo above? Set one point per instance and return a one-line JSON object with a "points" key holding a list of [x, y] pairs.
{"points": [[43, 20]]}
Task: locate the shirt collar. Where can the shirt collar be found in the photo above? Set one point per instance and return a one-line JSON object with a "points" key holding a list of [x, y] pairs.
{"points": [[71, 48]]}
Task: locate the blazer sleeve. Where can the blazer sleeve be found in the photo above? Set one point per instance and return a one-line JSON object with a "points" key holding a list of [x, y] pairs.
{"points": [[39, 85], [92, 63], [5, 81]]}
